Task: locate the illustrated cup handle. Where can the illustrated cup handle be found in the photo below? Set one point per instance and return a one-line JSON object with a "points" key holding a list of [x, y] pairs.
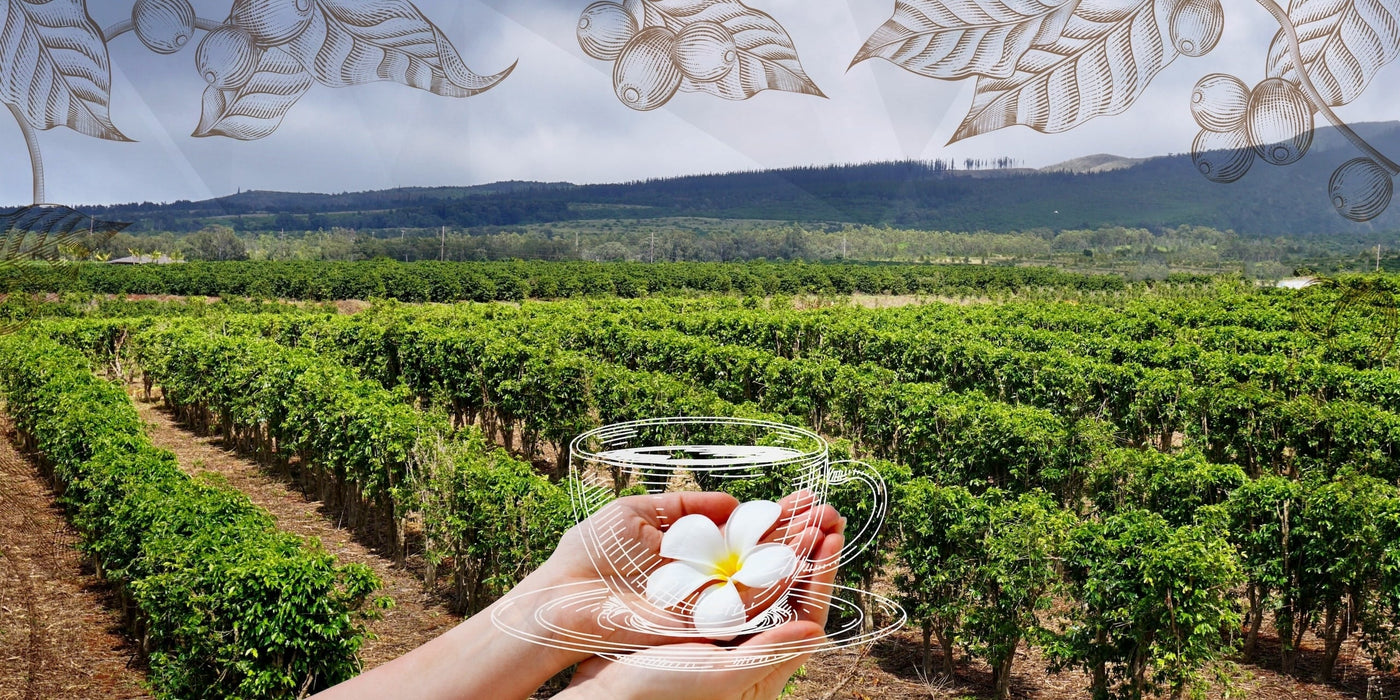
{"points": [[853, 470]]}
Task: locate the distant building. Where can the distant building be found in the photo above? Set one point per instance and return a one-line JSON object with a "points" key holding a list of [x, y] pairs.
{"points": [[1297, 283], [144, 260]]}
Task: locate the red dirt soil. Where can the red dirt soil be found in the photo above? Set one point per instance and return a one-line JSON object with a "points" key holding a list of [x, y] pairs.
{"points": [[60, 632]]}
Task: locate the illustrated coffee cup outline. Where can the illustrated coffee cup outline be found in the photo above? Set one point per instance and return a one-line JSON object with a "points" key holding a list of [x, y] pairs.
{"points": [[644, 463]]}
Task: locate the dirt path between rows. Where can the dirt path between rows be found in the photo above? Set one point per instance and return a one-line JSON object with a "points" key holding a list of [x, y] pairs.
{"points": [[60, 634], [415, 618]]}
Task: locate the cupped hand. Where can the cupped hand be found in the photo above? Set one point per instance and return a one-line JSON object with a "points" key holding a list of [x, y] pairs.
{"points": [[636, 525], [643, 675]]}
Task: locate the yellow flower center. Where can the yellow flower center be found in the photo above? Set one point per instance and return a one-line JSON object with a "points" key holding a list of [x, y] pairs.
{"points": [[728, 566]]}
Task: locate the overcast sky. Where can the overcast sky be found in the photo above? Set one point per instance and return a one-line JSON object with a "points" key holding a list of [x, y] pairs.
{"points": [[556, 117]]}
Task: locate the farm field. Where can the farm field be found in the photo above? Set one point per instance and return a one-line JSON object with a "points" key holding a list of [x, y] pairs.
{"points": [[1097, 488]]}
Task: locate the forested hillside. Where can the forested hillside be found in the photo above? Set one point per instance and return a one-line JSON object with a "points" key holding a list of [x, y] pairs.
{"points": [[1155, 193]]}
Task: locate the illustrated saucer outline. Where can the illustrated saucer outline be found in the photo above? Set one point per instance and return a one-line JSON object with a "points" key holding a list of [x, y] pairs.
{"points": [[594, 598]]}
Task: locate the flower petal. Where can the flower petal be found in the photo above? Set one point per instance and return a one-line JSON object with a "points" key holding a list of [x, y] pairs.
{"points": [[766, 565], [749, 523], [674, 582], [719, 608], [696, 539]]}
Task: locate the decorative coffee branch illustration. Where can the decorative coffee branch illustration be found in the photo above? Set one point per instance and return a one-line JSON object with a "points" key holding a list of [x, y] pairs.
{"points": [[55, 68], [1369, 298], [1053, 65], [720, 47], [41, 239]]}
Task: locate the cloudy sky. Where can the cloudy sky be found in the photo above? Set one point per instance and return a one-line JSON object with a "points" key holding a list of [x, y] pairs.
{"points": [[556, 117]]}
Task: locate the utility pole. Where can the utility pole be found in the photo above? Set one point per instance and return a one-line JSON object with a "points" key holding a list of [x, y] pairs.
{"points": [[442, 250]]}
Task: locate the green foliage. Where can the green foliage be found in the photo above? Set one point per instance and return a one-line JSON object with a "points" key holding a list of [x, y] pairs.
{"points": [[1153, 604], [979, 568], [230, 607], [492, 514], [1175, 486], [1158, 192], [1338, 555], [854, 501], [1145, 458], [514, 281]]}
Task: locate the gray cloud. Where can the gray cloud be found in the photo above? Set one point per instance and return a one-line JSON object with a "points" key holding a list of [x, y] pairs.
{"points": [[556, 117]]}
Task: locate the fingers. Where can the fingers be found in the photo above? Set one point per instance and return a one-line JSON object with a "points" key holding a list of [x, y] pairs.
{"points": [[801, 511], [793, 635], [665, 508], [787, 636], [715, 506], [813, 593]]}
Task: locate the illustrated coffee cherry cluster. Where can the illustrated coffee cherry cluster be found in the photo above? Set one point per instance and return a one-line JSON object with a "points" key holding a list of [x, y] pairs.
{"points": [[1272, 122], [650, 63], [228, 56]]}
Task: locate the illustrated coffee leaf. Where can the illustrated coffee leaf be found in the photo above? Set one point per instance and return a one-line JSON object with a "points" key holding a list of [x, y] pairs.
{"points": [[1108, 53], [255, 109], [767, 58], [356, 42], [955, 39], [1344, 43], [48, 234], [56, 71], [38, 240]]}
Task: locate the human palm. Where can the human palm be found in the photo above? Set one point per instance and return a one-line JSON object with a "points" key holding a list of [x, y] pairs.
{"points": [[726, 675], [636, 524]]}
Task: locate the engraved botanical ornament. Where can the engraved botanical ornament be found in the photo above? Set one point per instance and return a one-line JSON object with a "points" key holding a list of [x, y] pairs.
{"points": [[1053, 65], [720, 47], [257, 62]]}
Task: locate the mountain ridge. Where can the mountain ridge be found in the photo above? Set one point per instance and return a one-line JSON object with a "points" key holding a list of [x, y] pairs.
{"points": [[1095, 191]]}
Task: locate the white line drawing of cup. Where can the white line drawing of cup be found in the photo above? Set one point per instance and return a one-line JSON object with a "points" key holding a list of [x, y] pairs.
{"points": [[707, 453]]}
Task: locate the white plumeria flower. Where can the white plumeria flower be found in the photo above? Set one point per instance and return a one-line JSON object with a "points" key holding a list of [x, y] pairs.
{"points": [[716, 561]]}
